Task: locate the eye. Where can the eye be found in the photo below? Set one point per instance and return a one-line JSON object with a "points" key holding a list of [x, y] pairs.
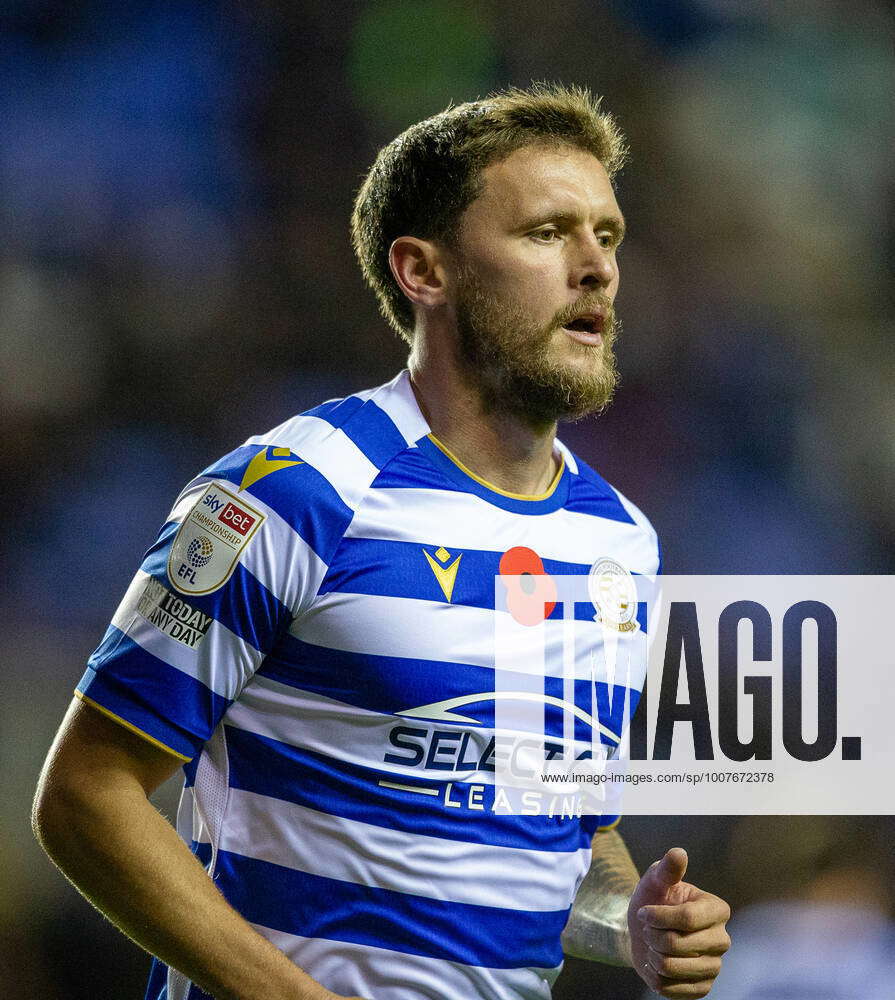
{"points": [[544, 235], [609, 241]]}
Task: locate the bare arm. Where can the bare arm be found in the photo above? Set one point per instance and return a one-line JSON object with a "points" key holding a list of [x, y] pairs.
{"points": [[92, 815], [598, 924]]}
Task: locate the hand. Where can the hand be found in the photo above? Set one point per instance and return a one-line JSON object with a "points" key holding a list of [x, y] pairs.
{"points": [[677, 930]]}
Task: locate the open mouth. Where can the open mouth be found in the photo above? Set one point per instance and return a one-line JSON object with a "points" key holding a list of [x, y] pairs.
{"points": [[586, 329], [584, 324]]}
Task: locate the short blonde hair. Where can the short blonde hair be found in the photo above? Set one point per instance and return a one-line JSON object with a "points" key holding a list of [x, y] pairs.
{"points": [[421, 182]]}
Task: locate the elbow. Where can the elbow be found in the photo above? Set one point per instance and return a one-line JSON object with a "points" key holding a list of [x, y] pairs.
{"points": [[55, 815], [45, 819]]}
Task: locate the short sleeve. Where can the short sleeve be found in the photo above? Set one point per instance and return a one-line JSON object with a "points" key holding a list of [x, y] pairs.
{"points": [[240, 556], [594, 824]]}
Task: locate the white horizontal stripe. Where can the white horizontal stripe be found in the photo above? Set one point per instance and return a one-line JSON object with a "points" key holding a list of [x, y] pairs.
{"points": [[291, 835], [399, 402], [329, 450], [354, 735], [283, 561], [363, 394], [400, 626], [460, 520], [337, 730], [184, 503], [222, 661], [127, 609], [642, 520], [361, 970], [455, 633], [567, 455]]}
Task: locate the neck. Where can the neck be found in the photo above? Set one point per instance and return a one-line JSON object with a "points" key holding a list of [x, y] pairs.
{"points": [[498, 447]]}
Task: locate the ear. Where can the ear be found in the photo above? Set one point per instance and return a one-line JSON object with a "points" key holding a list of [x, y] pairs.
{"points": [[418, 267]]}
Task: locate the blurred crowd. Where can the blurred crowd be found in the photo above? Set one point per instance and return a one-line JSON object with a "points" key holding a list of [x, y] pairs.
{"points": [[175, 275]]}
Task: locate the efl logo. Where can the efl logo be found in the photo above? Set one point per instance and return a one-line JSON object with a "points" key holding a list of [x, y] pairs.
{"points": [[237, 519]]}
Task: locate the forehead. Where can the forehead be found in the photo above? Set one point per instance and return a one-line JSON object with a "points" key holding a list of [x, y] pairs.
{"points": [[537, 178]]}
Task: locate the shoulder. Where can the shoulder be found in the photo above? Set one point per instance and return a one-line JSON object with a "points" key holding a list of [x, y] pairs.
{"points": [[313, 470], [590, 494]]}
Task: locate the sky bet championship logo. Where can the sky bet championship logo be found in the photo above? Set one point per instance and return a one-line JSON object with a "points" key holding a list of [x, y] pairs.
{"points": [[210, 540], [702, 695]]}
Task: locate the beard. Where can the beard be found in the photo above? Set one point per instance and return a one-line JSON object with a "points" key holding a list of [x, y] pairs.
{"points": [[518, 368]]}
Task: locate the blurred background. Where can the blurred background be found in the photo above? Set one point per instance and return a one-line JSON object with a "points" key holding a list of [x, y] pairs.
{"points": [[175, 274]]}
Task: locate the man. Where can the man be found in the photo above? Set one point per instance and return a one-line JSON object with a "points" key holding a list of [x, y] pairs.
{"points": [[321, 597]]}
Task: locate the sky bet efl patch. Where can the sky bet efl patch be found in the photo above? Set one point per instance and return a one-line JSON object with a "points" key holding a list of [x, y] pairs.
{"points": [[210, 541]]}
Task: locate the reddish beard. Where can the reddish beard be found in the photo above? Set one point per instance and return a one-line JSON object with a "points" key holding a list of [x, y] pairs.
{"points": [[509, 358]]}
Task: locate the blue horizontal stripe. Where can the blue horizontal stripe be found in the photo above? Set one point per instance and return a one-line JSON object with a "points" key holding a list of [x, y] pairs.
{"points": [[307, 502], [233, 465], [315, 906], [393, 684], [366, 424], [590, 824], [243, 604], [426, 467], [589, 493], [553, 714], [411, 470], [301, 495], [268, 767], [388, 684], [467, 484], [386, 568], [336, 411], [158, 699], [158, 551]]}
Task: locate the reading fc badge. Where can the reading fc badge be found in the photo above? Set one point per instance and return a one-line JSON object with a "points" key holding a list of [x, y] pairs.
{"points": [[613, 593]]}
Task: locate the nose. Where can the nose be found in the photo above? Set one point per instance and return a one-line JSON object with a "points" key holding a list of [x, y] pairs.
{"points": [[595, 267]]}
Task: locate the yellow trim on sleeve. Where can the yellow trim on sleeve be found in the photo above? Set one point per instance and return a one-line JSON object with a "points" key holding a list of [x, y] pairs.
{"points": [[612, 826], [497, 489], [130, 726]]}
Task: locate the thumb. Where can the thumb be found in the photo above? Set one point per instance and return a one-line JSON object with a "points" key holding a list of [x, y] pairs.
{"points": [[671, 869]]}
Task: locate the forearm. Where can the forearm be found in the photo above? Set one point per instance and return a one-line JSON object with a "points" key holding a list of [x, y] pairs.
{"points": [[129, 862], [598, 924]]}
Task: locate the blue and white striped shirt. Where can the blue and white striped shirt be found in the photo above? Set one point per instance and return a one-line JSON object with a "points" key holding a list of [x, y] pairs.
{"points": [[305, 594]]}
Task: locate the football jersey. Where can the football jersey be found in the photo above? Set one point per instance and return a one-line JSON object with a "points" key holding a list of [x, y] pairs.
{"points": [[313, 634]]}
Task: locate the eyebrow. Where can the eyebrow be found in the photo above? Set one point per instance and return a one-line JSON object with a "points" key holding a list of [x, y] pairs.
{"points": [[614, 223]]}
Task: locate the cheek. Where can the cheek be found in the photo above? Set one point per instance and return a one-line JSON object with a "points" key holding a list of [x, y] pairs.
{"points": [[536, 280], [519, 261]]}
